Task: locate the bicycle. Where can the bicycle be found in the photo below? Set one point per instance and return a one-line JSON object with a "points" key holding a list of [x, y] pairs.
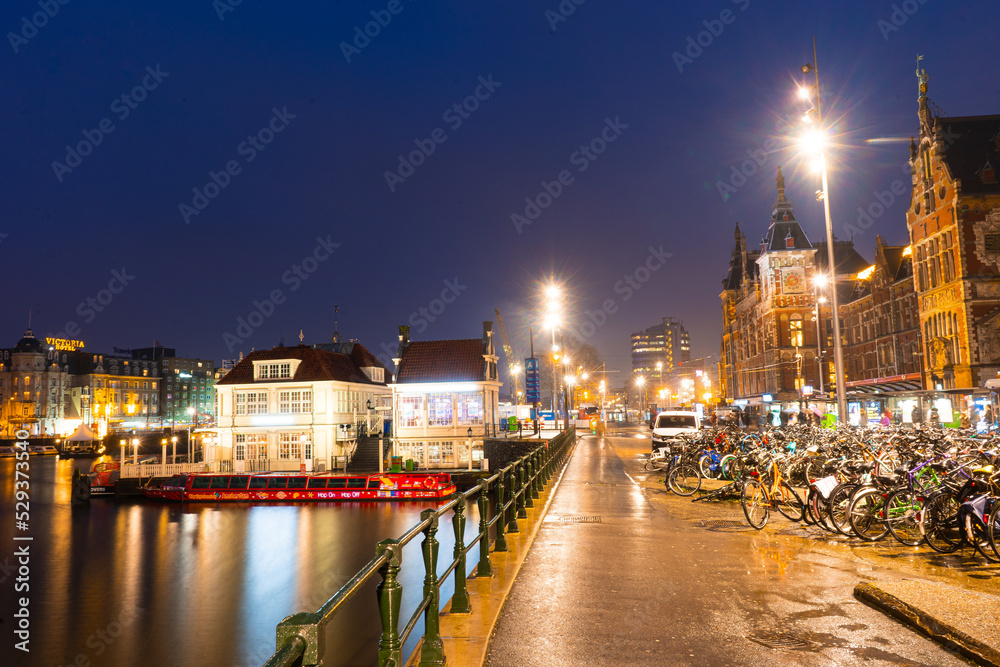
{"points": [[758, 497]]}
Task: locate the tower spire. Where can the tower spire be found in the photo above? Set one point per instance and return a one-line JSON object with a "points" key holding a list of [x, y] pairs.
{"points": [[781, 185]]}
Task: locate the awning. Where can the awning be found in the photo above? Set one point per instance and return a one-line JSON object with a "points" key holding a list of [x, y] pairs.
{"points": [[908, 382], [82, 434]]}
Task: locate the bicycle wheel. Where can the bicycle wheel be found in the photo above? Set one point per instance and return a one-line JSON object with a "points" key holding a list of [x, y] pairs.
{"points": [[838, 505], [755, 503], [866, 515], [705, 467], [726, 466], [684, 479], [789, 503], [939, 523], [810, 517], [993, 528], [817, 505], [902, 515], [979, 539]]}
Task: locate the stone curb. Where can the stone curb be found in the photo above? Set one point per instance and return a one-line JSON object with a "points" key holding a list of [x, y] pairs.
{"points": [[926, 624]]}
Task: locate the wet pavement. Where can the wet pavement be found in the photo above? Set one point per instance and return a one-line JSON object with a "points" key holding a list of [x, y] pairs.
{"points": [[622, 571]]}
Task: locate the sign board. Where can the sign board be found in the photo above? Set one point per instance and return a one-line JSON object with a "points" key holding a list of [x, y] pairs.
{"points": [[511, 423], [532, 381], [807, 390], [767, 398], [64, 344]]}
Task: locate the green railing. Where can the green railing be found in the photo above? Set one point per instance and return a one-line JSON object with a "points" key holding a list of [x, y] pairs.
{"points": [[300, 637]]}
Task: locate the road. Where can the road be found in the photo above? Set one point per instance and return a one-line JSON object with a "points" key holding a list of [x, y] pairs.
{"points": [[623, 572]]}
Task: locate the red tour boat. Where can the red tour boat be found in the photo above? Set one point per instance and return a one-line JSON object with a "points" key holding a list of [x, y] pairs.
{"points": [[284, 487]]}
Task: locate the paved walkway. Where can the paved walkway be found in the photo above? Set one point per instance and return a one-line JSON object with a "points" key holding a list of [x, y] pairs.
{"points": [[612, 580]]}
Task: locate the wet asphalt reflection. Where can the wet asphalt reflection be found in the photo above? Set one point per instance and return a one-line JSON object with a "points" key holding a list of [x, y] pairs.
{"points": [[624, 572]]}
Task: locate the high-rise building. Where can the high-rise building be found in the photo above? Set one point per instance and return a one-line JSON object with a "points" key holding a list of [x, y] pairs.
{"points": [[187, 389], [657, 351]]}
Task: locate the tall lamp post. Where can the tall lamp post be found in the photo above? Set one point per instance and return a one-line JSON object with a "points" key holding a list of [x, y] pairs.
{"points": [[641, 383], [819, 281], [814, 140]]}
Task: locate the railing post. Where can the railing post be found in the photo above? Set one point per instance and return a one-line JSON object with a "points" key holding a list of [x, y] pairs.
{"points": [[432, 648], [484, 569], [501, 522], [460, 599], [529, 482], [522, 510], [537, 486], [390, 594], [304, 626], [512, 522]]}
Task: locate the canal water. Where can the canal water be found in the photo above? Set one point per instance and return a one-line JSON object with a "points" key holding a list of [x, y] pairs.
{"points": [[139, 582]]}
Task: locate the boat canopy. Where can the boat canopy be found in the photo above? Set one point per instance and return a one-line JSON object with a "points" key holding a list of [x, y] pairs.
{"points": [[82, 434]]}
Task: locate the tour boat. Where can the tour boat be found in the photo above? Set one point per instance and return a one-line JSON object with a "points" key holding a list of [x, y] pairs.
{"points": [[42, 450], [103, 476], [316, 487]]}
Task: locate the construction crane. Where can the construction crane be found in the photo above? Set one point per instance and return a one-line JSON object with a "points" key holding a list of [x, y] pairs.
{"points": [[513, 359]]}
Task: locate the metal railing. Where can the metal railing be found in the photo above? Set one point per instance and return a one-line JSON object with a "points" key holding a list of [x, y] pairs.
{"points": [[160, 470], [300, 637]]}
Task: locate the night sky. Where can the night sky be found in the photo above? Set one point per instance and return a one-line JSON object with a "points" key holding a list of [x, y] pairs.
{"points": [[290, 122]]}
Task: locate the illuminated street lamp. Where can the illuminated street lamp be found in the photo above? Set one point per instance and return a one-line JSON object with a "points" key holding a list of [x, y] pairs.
{"points": [[191, 413], [641, 382], [815, 142]]}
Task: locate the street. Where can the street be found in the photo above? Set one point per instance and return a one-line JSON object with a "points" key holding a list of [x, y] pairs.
{"points": [[623, 571]]}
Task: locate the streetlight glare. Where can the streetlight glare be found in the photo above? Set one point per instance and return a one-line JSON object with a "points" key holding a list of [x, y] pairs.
{"points": [[640, 380], [817, 165], [821, 280], [552, 291], [803, 93], [813, 141]]}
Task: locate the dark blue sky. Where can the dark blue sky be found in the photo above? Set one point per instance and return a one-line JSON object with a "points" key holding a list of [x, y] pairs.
{"points": [[447, 225]]}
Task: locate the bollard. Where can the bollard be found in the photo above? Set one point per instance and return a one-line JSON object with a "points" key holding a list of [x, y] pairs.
{"points": [[484, 569], [501, 522], [390, 594], [460, 599], [512, 515], [522, 511], [432, 648]]}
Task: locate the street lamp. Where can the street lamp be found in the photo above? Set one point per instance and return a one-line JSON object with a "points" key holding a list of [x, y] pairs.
{"points": [[814, 140], [191, 413], [515, 370], [641, 382]]}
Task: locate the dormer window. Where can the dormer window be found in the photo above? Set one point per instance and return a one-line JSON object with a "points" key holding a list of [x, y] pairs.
{"points": [[374, 373], [275, 370]]}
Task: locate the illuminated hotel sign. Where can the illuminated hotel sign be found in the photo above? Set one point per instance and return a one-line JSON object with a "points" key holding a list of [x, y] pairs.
{"points": [[64, 344]]}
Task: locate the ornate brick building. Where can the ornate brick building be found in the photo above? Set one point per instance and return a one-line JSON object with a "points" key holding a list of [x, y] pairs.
{"points": [[954, 226], [881, 325]]}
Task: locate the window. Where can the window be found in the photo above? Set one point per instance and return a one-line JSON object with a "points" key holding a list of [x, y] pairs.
{"points": [[411, 410], [317, 483], [795, 329], [439, 410], [470, 408], [295, 401], [258, 483], [291, 446], [251, 403], [297, 482], [279, 371]]}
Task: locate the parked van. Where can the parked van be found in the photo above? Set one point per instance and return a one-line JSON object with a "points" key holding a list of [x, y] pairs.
{"points": [[673, 423]]}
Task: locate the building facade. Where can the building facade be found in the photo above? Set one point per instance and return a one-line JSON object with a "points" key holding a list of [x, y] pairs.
{"points": [[445, 399], [954, 225], [187, 392], [657, 351], [882, 326], [296, 408], [776, 318]]}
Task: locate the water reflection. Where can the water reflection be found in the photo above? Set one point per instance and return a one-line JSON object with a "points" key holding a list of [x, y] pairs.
{"points": [[138, 582]]}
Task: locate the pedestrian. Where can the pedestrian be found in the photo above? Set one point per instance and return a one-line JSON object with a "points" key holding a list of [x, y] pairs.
{"points": [[988, 415], [934, 418], [915, 414], [886, 418]]}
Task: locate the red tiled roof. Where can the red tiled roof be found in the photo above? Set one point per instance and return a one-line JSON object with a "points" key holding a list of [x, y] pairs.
{"points": [[442, 361], [316, 365]]}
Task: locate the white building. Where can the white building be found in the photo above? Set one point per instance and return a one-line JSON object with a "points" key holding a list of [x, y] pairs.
{"points": [[442, 389], [292, 408]]}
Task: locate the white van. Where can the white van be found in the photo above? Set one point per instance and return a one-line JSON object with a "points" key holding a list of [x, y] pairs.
{"points": [[672, 423]]}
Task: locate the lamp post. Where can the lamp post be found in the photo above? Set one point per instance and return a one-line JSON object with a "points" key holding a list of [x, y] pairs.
{"points": [[470, 447], [173, 449], [819, 280], [194, 416], [641, 382], [815, 139]]}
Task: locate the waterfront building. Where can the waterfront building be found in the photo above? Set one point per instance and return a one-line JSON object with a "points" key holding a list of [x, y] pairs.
{"points": [[954, 225], [657, 351], [444, 399], [34, 379], [296, 408]]}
